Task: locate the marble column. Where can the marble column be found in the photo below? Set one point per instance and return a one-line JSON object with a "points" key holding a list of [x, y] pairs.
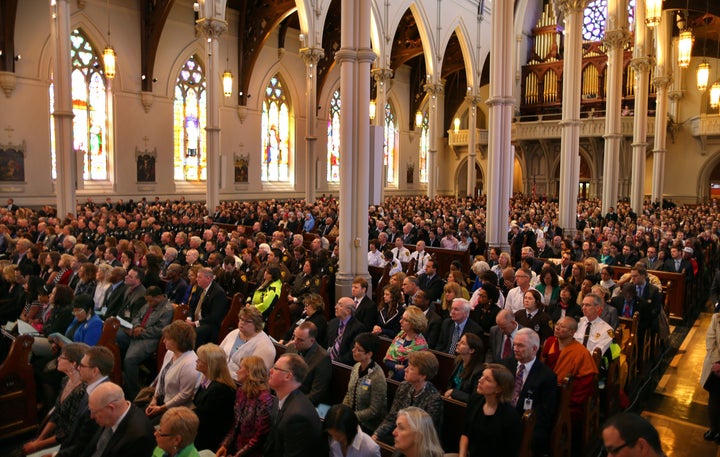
{"points": [[354, 58], [472, 102], [211, 28], [65, 157], [434, 90], [311, 56], [572, 11], [641, 63], [501, 106], [616, 36], [662, 80]]}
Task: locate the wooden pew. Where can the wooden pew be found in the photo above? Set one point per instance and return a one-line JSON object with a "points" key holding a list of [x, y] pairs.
{"points": [[340, 380], [17, 389], [376, 274], [279, 320], [446, 364], [230, 321], [591, 424], [108, 339], [673, 290], [630, 347], [610, 395], [561, 438], [528, 421]]}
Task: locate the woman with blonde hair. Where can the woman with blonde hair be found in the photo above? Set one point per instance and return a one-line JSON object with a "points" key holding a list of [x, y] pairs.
{"points": [[415, 434], [451, 291], [410, 339], [214, 399], [253, 406], [504, 261], [102, 278]]}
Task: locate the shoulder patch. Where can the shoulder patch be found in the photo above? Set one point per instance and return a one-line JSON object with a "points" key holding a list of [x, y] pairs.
{"points": [[611, 334]]}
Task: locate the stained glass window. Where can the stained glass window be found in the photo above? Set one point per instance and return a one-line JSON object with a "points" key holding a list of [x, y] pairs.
{"points": [[189, 111], [333, 154], [631, 11], [594, 20], [89, 109], [390, 145], [424, 147], [275, 132]]}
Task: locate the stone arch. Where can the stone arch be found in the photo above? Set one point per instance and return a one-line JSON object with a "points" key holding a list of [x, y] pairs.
{"points": [[709, 174], [461, 177]]}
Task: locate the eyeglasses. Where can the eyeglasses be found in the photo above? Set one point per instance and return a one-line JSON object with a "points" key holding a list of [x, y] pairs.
{"points": [[164, 435], [82, 365], [616, 450], [274, 368]]}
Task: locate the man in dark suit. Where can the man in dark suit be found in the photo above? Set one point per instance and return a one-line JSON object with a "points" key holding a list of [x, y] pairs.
{"points": [[565, 266], [536, 387], [366, 311], [677, 264], [316, 384], [115, 294], [432, 333], [652, 260], [342, 331], [124, 428], [501, 336], [454, 327], [649, 300], [209, 311], [134, 295], [20, 258], [296, 428], [431, 282]]}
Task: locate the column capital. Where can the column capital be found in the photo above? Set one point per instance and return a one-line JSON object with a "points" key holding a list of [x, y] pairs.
{"points": [[473, 100], [571, 6], [346, 55], [312, 56], [434, 89], [211, 28], [662, 82], [500, 101], [616, 39], [642, 64], [382, 75], [675, 95]]}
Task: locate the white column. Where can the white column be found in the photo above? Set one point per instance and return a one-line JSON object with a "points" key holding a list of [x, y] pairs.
{"points": [[354, 58], [211, 28], [500, 103], [311, 56], [472, 101], [662, 80], [434, 90], [570, 136], [383, 78], [615, 38], [63, 114], [641, 63]]}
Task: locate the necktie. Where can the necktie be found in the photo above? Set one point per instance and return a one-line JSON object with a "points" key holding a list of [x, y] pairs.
{"points": [[507, 347], [455, 339], [198, 310], [677, 265], [357, 303], [146, 317], [627, 312], [587, 334], [639, 291], [518, 383], [103, 442], [335, 351]]}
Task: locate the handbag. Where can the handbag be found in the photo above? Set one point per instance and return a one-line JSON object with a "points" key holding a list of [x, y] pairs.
{"points": [[144, 397]]}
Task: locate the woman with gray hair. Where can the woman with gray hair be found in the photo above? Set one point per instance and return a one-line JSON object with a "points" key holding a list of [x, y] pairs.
{"points": [[415, 434]]}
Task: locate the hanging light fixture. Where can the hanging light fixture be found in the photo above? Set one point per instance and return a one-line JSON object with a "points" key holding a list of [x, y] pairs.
{"points": [[227, 83], [653, 12], [715, 95], [373, 110], [109, 56], [456, 123], [418, 119], [685, 44], [703, 75]]}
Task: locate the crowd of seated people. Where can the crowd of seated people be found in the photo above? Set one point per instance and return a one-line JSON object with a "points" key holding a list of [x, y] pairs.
{"points": [[138, 260]]}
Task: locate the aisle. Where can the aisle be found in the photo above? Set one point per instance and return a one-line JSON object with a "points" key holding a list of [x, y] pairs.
{"points": [[678, 407]]}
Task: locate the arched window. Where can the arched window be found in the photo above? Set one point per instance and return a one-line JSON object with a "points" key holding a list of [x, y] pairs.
{"points": [[275, 132], [189, 122], [424, 147], [390, 145], [89, 106], [594, 20], [333, 144]]}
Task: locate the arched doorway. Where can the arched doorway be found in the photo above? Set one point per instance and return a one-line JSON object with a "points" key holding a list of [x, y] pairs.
{"points": [[461, 189], [584, 190]]}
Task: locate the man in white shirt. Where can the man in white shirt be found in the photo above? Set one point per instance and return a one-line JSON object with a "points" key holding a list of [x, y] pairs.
{"points": [[421, 257], [592, 331], [514, 299], [400, 251]]}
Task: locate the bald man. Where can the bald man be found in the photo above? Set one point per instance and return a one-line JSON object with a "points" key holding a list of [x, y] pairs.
{"points": [[124, 429]]}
